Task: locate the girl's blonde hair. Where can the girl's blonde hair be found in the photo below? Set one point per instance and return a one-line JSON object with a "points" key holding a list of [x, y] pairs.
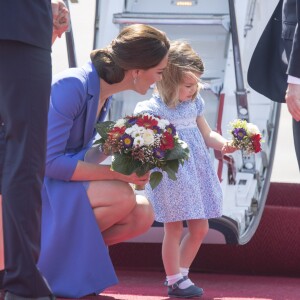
{"points": [[183, 61], [138, 46]]}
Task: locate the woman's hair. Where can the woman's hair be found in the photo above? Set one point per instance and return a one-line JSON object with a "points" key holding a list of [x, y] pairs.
{"points": [[137, 46], [182, 61]]}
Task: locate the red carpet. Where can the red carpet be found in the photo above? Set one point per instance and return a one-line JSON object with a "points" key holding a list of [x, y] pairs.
{"points": [[274, 249], [135, 285], [149, 286], [267, 268]]}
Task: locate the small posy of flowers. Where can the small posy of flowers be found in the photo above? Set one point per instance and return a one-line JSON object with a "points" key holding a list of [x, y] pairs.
{"points": [[246, 136], [140, 143]]}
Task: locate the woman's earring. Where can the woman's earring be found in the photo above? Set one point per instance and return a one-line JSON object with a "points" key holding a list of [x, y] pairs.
{"points": [[134, 80]]}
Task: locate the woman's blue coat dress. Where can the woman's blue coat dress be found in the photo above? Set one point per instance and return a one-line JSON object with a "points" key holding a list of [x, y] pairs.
{"points": [[74, 259]]}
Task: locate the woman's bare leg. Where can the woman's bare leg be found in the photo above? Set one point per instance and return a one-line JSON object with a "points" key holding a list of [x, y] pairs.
{"points": [[136, 223], [120, 213], [111, 201]]}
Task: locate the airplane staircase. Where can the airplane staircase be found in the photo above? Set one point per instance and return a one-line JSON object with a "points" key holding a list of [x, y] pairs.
{"points": [[275, 247]]}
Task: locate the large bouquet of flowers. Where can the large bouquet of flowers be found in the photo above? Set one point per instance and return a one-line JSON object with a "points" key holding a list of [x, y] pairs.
{"points": [[140, 143], [246, 136]]}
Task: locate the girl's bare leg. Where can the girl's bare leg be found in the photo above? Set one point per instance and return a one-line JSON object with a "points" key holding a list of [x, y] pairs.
{"points": [[171, 246], [190, 244]]}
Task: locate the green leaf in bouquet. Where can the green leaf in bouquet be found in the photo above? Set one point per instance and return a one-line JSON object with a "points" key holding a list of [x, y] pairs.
{"points": [[100, 141], [173, 165], [171, 168], [180, 151], [155, 179], [143, 169], [181, 161], [103, 128], [123, 164]]}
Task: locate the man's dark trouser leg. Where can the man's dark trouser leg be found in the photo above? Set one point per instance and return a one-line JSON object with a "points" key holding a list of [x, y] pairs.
{"points": [[25, 80]]}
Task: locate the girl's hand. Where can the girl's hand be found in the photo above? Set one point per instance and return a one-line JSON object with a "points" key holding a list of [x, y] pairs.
{"points": [[228, 148]]}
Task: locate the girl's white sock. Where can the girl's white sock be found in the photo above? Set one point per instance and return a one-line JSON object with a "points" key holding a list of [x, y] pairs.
{"points": [[173, 278], [184, 271], [185, 284]]}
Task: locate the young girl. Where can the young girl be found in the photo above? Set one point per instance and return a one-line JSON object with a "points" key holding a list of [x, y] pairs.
{"points": [[196, 195]]}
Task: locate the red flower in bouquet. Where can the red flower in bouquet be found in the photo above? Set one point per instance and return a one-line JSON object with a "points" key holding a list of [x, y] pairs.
{"points": [[256, 138], [116, 132], [146, 122], [167, 141]]}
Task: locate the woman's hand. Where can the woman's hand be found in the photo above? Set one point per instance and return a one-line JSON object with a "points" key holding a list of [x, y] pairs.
{"points": [[133, 178], [228, 148]]}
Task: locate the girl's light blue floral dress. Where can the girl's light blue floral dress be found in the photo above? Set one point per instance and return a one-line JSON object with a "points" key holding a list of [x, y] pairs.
{"points": [[196, 194]]}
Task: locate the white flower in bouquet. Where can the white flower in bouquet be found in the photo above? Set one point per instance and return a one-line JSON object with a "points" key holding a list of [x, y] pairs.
{"points": [[138, 141], [162, 123], [252, 129], [148, 136], [120, 123]]}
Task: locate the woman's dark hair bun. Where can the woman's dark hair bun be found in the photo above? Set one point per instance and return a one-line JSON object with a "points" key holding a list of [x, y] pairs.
{"points": [[106, 67]]}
